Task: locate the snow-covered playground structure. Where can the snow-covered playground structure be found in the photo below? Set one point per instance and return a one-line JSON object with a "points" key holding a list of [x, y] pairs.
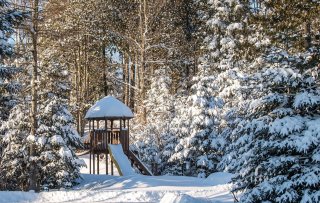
{"points": [[109, 126]]}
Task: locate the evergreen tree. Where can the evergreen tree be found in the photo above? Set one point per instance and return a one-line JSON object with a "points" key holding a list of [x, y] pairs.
{"points": [[8, 90], [57, 139], [196, 128], [8, 87], [154, 139], [8, 19], [56, 136], [275, 152], [14, 161], [216, 89]]}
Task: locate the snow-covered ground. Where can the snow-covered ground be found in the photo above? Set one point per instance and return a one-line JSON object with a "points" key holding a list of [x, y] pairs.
{"points": [[134, 188]]}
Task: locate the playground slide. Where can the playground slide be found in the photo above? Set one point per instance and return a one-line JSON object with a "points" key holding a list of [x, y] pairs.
{"points": [[121, 160]]}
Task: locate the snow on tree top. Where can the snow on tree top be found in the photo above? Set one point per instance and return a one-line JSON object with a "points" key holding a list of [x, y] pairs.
{"points": [[109, 107]]}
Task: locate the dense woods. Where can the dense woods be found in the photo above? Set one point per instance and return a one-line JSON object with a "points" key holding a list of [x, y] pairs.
{"points": [[215, 85]]}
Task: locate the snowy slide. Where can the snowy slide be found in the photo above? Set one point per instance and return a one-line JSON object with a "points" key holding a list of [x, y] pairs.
{"points": [[121, 160]]}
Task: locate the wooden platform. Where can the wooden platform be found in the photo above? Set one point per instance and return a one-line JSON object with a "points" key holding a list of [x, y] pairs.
{"points": [[99, 139]]}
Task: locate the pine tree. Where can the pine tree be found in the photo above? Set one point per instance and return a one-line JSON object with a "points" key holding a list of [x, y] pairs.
{"points": [[8, 19], [56, 136], [276, 146], [196, 128], [8, 90], [8, 87], [57, 139], [14, 162], [274, 149], [153, 139], [216, 90]]}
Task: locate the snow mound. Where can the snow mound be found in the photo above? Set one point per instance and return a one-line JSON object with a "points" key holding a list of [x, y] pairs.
{"points": [[109, 106], [220, 178], [181, 198]]}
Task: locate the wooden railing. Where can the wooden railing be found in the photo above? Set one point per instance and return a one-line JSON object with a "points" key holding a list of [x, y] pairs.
{"points": [[137, 162], [99, 139]]}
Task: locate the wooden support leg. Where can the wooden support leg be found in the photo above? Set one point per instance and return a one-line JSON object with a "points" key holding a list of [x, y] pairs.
{"points": [[90, 163], [98, 169], [93, 164], [106, 163], [111, 167]]}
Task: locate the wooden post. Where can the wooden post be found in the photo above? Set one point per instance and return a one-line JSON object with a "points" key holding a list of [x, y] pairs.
{"points": [[107, 141], [111, 126], [90, 140], [111, 167], [120, 133], [111, 131], [128, 135], [98, 169], [93, 163], [107, 157], [93, 157]]}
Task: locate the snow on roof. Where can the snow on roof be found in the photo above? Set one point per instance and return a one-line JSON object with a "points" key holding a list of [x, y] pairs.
{"points": [[109, 107]]}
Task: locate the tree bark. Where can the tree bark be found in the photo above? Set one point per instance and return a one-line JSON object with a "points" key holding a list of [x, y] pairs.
{"points": [[34, 35], [133, 83], [143, 31], [308, 39]]}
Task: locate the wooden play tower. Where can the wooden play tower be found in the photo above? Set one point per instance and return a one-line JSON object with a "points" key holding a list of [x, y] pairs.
{"points": [[109, 124]]}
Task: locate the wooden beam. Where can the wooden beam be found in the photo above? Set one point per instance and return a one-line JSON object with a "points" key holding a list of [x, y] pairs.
{"points": [[93, 139], [111, 143], [107, 157], [90, 137], [93, 164], [98, 160], [111, 167], [107, 141]]}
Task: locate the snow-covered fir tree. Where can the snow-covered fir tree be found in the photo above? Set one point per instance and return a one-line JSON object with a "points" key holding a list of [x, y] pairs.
{"points": [[8, 18], [56, 137], [8, 86], [196, 128], [275, 152], [14, 161], [216, 87], [153, 141], [8, 90]]}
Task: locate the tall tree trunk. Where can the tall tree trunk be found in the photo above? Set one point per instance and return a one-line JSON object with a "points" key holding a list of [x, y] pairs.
{"points": [[128, 81], [143, 32], [105, 85], [34, 35], [133, 82], [308, 38], [124, 78]]}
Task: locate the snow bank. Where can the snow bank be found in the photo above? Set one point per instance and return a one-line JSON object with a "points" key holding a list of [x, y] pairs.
{"points": [[109, 106], [219, 178]]}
